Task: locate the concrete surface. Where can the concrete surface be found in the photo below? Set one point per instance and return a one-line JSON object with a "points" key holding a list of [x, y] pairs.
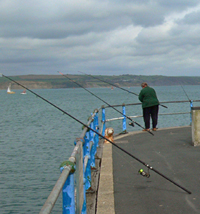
{"points": [[105, 202], [169, 151]]}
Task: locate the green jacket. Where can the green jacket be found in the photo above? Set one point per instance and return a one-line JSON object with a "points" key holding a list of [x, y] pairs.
{"points": [[148, 97]]}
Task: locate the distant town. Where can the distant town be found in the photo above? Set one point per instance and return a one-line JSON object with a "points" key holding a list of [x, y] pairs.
{"points": [[87, 81]]}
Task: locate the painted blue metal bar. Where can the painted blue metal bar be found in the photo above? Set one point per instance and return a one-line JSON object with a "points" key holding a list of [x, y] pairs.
{"points": [[87, 173], [85, 183], [93, 150], [191, 105], [103, 120], [68, 195], [124, 120], [96, 125]]}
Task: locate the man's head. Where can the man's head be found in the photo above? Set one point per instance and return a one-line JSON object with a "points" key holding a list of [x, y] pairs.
{"points": [[144, 84]]}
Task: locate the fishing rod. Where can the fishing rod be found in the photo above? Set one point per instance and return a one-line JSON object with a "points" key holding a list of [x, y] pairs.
{"points": [[66, 113], [109, 83], [191, 104], [115, 86], [132, 124], [186, 94]]}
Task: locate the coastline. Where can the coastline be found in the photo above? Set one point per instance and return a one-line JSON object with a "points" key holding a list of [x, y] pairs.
{"points": [[125, 80]]}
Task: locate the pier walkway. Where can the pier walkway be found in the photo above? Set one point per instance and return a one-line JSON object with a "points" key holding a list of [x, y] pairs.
{"points": [[122, 190]]}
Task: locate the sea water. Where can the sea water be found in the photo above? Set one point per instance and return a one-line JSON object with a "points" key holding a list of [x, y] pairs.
{"points": [[35, 137]]}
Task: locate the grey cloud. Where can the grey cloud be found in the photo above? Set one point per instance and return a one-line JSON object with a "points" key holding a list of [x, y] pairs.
{"points": [[103, 37], [178, 5], [191, 19]]}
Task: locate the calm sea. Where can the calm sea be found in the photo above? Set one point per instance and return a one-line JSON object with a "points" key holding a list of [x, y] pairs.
{"points": [[35, 137]]}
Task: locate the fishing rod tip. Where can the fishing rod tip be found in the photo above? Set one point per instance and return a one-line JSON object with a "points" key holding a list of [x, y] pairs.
{"points": [[60, 72]]}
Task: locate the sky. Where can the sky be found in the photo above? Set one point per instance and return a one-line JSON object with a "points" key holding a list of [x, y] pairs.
{"points": [[100, 37]]}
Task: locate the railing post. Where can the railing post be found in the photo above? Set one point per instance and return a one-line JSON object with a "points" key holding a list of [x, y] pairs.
{"points": [[84, 207], [69, 190], [87, 170], [103, 120], [124, 120], [96, 125], [191, 105], [93, 150], [195, 126]]}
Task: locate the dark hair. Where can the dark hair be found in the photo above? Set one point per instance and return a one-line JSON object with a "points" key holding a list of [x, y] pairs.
{"points": [[144, 84]]}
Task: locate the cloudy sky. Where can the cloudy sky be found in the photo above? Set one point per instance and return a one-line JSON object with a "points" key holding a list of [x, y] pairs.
{"points": [[107, 37]]}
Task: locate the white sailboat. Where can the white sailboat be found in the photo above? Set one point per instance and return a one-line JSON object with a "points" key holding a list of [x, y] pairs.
{"points": [[24, 92], [9, 90]]}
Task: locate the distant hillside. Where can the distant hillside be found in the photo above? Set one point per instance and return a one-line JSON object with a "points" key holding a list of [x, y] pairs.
{"points": [[58, 81]]}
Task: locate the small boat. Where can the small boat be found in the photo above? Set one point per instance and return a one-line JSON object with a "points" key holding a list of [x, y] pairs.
{"points": [[24, 92], [9, 90]]}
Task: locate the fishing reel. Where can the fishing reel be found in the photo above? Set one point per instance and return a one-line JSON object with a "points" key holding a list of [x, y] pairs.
{"points": [[131, 124], [143, 173]]}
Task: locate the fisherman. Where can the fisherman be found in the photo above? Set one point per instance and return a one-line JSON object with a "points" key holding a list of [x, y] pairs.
{"points": [[150, 105]]}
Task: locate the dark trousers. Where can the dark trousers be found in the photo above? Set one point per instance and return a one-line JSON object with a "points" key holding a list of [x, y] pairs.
{"points": [[153, 112]]}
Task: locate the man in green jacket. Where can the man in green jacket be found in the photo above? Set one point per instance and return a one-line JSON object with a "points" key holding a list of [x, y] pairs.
{"points": [[150, 105]]}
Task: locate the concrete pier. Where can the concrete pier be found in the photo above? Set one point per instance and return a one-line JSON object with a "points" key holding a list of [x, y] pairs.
{"points": [[171, 152]]}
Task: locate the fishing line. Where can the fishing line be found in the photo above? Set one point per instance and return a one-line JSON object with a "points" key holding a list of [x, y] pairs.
{"points": [[115, 86], [186, 94], [104, 101], [147, 165]]}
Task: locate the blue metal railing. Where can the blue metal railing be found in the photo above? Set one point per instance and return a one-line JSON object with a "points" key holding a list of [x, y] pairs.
{"points": [[75, 177], [124, 118]]}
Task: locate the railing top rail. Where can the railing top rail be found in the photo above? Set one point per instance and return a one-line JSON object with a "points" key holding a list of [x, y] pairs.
{"points": [[131, 104], [89, 122], [51, 200], [137, 116]]}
